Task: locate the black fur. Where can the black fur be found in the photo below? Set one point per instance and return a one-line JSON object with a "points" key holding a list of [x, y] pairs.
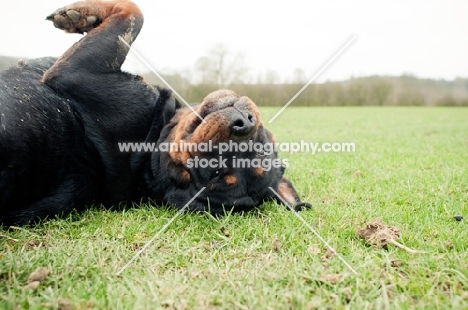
{"points": [[59, 154], [61, 121]]}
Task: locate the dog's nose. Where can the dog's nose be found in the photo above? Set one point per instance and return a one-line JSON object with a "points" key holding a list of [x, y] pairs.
{"points": [[242, 124]]}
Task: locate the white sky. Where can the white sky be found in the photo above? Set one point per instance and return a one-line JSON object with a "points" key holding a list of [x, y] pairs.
{"points": [[425, 38]]}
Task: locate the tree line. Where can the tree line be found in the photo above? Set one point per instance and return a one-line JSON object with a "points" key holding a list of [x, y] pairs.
{"points": [[220, 68], [405, 90]]}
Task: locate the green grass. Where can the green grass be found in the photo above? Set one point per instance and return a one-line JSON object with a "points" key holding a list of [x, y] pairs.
{"points": [[410, 169]]}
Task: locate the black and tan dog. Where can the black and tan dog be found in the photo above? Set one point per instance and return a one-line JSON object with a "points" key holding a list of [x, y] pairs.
{"points": [[62, 119]]}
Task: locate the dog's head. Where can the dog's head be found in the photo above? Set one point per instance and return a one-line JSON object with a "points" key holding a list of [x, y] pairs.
{"points": [[230, 153]]}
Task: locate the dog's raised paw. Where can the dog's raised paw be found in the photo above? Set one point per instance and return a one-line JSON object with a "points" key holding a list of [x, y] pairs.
{"points": [[73, 20]]}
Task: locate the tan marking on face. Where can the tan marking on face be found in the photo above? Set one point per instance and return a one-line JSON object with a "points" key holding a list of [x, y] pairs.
{"points": [[216, 129], [273, 138], [185, 175], [185, 120], [259, 171], [230, 179]]}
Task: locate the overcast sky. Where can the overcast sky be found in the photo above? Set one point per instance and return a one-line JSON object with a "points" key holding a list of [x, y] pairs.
{"points": [[426, 38]]}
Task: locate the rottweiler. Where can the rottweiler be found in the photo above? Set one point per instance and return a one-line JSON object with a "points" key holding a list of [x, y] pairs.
{"points": [[63, 122]]}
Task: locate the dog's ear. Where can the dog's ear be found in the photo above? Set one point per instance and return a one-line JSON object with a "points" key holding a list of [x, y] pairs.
{"points": [[169, 103], [288, 193]]}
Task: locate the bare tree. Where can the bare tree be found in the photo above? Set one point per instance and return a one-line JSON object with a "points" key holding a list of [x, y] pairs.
{"points": [[203, 66], [299, 76], [220, 67], [271, 77]]}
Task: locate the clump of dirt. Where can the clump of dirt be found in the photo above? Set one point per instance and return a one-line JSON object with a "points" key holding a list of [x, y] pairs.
{"points": [[225, 231], [64, 304], [36, 277], [330, 278], [276, 245], [378, 234], [328, 254]]}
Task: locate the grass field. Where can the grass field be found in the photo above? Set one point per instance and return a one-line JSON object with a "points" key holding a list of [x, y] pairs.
{"points": [[410, 169]]}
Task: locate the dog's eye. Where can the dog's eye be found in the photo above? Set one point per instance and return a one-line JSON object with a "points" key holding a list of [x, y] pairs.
{"points": [[215, 174]]}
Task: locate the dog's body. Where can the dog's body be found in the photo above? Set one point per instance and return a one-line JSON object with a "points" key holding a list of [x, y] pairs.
{"points": [[61, 122]]}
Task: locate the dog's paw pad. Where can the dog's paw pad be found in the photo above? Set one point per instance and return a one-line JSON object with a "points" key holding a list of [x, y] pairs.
{"points": [[91, 20], [75, 16], [73, 20]]}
